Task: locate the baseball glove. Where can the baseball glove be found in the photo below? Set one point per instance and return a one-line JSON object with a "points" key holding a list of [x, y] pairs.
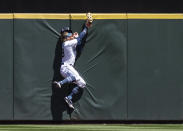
{"points": [[89, 20]]}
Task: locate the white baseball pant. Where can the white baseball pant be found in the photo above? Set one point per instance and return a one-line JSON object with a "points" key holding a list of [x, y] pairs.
{"points": [[67, 70]]}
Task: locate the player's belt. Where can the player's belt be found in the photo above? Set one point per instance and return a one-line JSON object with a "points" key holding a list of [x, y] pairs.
{"points": [[66, 64]]}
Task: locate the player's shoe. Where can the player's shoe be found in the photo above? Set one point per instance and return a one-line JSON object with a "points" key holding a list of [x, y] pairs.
{"points": [[69, 102], [57, 84]]}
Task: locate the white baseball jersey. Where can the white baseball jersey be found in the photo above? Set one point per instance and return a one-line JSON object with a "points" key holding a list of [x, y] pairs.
{"points": [[68, 59], [69, 51]]}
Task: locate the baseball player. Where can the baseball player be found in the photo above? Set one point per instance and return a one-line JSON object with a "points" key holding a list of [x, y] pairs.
{"points": [[71, 42]]}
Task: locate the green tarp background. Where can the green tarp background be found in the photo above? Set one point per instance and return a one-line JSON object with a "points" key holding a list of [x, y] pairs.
{"points": [[103, 65], [6, 69], [35, 43], [133, 70], [155, 51], [103, 59]]}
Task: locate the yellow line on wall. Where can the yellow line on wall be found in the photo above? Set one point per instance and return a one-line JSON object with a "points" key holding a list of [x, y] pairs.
{"points": [[154, 16], [76, 16], [40, 16], [6, 16], [82, 16]]}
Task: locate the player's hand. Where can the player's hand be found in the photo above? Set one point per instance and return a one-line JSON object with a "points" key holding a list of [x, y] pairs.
{"points": [[89, 20], [75, 35]]}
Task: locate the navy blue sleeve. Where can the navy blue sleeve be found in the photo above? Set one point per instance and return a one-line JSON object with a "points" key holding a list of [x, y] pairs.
{"points": [[82, 35]]}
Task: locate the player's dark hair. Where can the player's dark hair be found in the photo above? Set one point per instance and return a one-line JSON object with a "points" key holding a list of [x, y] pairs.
{"points": [[63, 30], [63, 36]]}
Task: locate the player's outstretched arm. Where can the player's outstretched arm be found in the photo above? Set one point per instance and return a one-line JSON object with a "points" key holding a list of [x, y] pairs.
{"points": [[88, 24]]}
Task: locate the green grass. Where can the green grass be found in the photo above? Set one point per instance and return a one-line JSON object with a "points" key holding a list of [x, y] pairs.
{"points": [[94, 127]]}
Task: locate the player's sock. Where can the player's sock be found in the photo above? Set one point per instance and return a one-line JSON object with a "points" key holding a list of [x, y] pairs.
{"points": [[75, 90], [67, 80]]}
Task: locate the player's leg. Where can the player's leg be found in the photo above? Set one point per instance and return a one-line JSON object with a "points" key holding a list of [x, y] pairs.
{"points": [[74, 91], [77, 79], [67, 73], [80, 84], [68, 79], [68, 98]]}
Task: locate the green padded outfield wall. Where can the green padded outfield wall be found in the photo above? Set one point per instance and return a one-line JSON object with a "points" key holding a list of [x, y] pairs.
{"points": [[155, 73], [102, 64], [34, 50], [132, 64], [6, 70]]}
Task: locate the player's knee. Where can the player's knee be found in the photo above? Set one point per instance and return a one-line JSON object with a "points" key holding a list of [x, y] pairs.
{"points": [[82, 84]]}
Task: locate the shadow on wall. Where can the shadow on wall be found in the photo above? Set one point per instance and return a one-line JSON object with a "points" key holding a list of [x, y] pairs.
{"points": [[58, 105]]}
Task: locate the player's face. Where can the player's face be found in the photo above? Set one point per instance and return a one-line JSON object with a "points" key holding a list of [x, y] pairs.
{"points": [[68, 36]]}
